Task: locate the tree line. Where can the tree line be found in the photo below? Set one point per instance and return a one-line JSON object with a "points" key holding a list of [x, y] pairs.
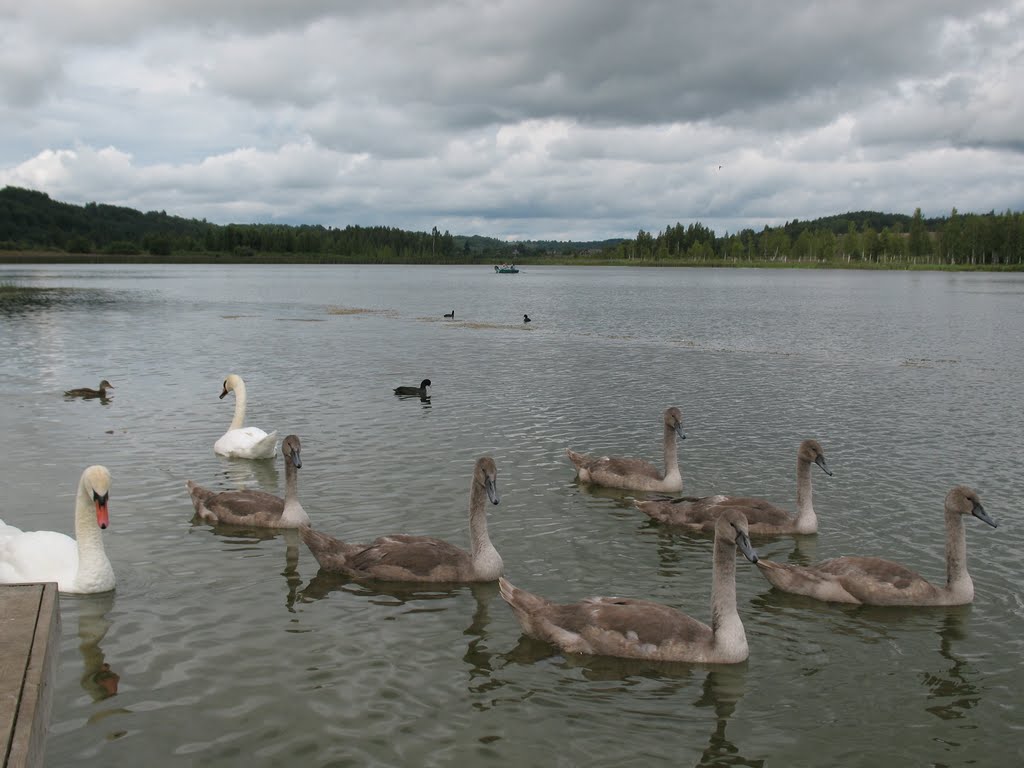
{"points": [[30, 221], [865, 237]]}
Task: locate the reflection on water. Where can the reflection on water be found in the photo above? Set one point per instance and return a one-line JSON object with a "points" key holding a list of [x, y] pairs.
{"points": [[98, 679], [241, 538], [390, 593], [242, 474], [103, 400], [721, 691], [954, 689]]}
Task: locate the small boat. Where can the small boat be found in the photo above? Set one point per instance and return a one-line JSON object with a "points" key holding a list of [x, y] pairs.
{"points": [[509, 269]]}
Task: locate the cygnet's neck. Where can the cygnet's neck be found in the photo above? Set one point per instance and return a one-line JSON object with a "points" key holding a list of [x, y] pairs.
{"points": [[806, 519], [486, 561], [671, 455], [958, 580], [725, 619], [293, 515]]}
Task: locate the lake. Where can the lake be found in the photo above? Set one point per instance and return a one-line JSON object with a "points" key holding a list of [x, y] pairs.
{"points": [[229, 648]]}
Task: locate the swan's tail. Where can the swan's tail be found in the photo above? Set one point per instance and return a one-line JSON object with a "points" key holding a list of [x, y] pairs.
{"points": [[578, 459], [523, 603], [199, 494], [267, 447], [668, 510], [653, 508], [200, 497], [331, 553]]}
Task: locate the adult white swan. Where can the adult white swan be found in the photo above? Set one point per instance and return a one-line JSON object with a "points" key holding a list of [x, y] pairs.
{"points": [[614, 472], [256, 508], [640, 629], [78, 565], [239, 441]]}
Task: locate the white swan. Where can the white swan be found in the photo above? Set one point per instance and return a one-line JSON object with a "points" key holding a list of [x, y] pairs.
{"points": [[243, 442], [401, 557], [640, 629], [614, 472], [763, 517], [78, 565], [875, 581], [256, 508]]}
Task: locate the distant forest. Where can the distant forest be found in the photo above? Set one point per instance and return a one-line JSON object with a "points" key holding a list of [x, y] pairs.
{"points": [[31, 222]]}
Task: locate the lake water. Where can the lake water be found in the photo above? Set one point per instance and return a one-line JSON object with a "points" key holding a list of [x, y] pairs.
{"points": [[230, 649]]}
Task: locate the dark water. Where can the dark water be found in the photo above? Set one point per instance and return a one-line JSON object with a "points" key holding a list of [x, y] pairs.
{"points": [[229, 648]]}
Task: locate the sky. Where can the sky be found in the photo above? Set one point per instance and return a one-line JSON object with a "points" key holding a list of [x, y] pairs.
{"points": [[516, 119]]}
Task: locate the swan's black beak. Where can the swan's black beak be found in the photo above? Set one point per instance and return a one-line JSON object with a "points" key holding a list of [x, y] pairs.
{"points": [[492, 490], [297, 460], [679, 432], [979, 512], [820, 461], [223, 393], [744, 546]]}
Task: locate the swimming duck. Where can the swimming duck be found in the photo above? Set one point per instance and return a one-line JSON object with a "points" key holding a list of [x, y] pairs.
{"points": [[423, 390], [90, 393]]}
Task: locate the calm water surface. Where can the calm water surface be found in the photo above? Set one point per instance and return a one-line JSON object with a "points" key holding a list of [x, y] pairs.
{"points": [[228, 648]]}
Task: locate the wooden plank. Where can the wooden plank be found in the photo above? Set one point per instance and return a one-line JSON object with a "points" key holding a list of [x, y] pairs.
{"points": [[29, 640]]}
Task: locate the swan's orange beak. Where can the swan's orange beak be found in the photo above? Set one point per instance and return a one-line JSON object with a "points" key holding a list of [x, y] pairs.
{"points": [[102, 513]]}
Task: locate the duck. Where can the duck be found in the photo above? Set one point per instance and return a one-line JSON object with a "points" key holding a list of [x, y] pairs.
{"points": [[450, 315], [256, 508], [763, 517], [243, 442], [424, 559], [85, 392], [423, 390], [876, 581], [641, 629], [78, 565], [636, 474], [526, 319]]}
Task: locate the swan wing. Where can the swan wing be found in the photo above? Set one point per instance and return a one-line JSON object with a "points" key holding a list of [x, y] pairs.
{"points": [[402, 557], [247, 443], [37, 556], [876, 581]]}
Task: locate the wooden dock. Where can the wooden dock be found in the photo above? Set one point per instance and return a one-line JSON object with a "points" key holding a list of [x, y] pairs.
{"points": [[29, 647]]}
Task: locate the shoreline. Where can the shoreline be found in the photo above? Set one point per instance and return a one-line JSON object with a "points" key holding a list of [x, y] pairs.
{"points": [[50, 257]]}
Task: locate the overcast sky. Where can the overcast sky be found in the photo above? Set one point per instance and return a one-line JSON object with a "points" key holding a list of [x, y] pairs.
{"points": [[518, 119]]}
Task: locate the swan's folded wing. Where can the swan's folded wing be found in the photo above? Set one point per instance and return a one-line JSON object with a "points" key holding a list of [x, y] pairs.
{"points": [[418, 556], [611, 465]]}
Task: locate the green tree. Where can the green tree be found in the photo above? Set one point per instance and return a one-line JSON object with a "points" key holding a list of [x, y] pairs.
{"points": [[918, 244]]}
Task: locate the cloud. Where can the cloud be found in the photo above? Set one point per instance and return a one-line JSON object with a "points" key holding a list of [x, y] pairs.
{"points": [[516, 118]]}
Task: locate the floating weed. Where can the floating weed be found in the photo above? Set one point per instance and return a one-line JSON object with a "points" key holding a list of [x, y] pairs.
{"points": [[360, 311]]}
